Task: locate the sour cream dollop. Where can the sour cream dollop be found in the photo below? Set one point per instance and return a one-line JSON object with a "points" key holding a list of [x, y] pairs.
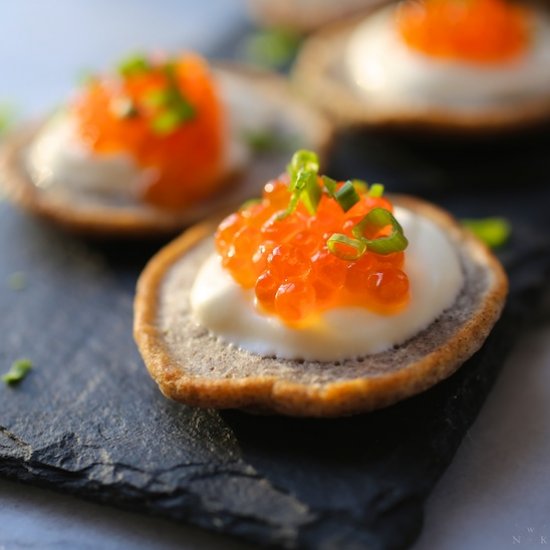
{"points": [[436, 278], [58, 158]]}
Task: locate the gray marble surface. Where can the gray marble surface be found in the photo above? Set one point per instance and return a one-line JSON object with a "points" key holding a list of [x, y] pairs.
{"points": [[496, 494]]}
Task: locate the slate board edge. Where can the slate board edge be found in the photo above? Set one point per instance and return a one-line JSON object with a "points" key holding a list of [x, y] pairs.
{"points": [[126, 497]]}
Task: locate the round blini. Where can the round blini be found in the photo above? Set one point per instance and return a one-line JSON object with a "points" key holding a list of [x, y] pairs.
{"points": [[296, 125], [321, 75], [192, 366]]}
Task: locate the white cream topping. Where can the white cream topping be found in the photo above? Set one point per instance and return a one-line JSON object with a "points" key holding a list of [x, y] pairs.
{"points": [[59, 157], [432, 264], [388, 71]]}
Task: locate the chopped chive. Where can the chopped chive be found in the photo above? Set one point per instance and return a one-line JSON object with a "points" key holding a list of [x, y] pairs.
{"points": [[175, 99], [361, 186], [376, 190], [265, 141], [259, 141], [166, 122], [311, 195], [376, 219], [303, 169], [157, 98], [306, 185], [494, 232], [18, 370], [272, 48], [17, 281], [346, 248], [302, 160], [134, 65], [347, 196], [292, 205], [170, 105], [185, 110], [330, 185]]}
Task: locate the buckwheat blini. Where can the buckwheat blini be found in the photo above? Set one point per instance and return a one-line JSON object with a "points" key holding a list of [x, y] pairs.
{"points": [[323, 299]]}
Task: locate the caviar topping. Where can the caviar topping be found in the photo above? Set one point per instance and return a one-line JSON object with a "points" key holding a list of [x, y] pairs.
{"points": [[479, 31], [312, 244], [167, 115]]}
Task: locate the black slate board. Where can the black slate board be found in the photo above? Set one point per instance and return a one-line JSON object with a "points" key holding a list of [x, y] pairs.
{"points": [[88, 419]]}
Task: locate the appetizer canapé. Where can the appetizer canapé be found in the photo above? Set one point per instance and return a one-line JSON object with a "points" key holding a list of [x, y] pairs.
{"points": [[156, 144], [474, 64], [323, 298]]}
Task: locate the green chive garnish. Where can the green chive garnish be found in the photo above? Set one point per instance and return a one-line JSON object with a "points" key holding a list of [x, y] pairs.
{"points": [[170, 107], [311, 195], [157, 98], [272, 48], [494, 232], [330, 185], [173, 108], [166, 122], [360, 186], [347, 196], [175, 100], [376, 190], [346, 248], [263, 141], [303, 169], [307, 186], [302, 161], [134, 65], [18, 370], [17, 281], [185, 110], [377, 219]]}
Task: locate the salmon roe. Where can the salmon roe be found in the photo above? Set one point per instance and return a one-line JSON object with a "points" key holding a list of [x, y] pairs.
{"points": [[289, 266], [479, 31], [123, 114]]}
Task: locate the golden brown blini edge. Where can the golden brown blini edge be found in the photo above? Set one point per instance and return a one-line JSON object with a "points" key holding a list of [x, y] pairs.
{"points": [[143, 221], [322, 56], [269, 394]]}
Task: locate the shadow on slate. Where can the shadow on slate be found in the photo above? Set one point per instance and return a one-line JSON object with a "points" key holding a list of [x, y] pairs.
{"points": [[88, 420]]}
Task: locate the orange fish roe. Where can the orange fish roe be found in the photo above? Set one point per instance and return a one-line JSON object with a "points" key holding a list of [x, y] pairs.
{"points": [[479, 31], [290, 267], [167, 115]]}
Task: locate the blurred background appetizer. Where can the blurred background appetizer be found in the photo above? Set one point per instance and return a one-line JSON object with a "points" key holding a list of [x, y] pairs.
{"points": [[445, 64], [156, 144]]}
